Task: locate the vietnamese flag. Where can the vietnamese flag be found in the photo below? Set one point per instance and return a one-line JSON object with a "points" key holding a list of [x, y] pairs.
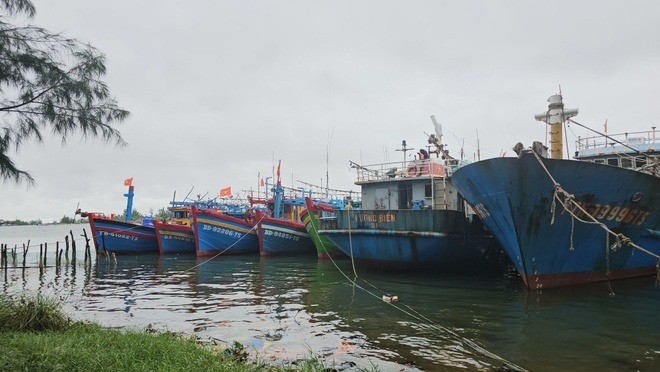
{"points": [[225, 192], [128, 182]]}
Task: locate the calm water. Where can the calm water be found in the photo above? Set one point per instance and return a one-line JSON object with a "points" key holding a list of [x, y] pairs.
{"points": [[283, 309]]}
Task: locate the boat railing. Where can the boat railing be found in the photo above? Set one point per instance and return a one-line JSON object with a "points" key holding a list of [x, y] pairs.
{"points": [[629, 138], [431, 168]]}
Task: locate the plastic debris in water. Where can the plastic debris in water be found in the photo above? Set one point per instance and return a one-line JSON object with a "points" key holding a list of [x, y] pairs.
{"points": [[390, 298]]}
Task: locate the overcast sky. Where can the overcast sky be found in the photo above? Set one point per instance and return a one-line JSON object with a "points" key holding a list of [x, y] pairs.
{"points": [[217, 89]]}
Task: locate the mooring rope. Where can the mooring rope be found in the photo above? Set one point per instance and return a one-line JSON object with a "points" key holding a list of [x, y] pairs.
{"points": [[350, 242], [256, 224], [621, 238], [414, 313]]}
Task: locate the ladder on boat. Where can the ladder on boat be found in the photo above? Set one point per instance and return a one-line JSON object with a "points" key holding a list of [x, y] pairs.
{"points": [[440, 193]]}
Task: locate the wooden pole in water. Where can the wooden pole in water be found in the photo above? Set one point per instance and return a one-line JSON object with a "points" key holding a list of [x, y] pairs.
{"points": [[45, 254], [60, 258], [3, 249], [57, 252], [66, 241], [41, 254], [73, 246], [86, 245], [3, 259], [25, 250], [85, 255], [13, 254]]}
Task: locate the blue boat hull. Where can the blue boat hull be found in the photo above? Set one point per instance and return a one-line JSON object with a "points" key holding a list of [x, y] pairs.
{"points": [[409, 239], [284, 238], [405, 250], [216, 232], [122, 237], [174, 239], [514, 198]]}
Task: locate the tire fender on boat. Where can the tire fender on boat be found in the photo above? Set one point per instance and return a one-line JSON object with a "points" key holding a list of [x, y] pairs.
{"points": [[414, 171]]}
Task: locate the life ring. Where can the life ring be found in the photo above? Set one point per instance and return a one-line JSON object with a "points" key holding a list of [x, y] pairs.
{"points": [[414, 171]]}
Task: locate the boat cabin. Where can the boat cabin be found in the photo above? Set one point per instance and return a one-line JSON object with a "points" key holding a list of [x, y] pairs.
{"points": [[636, 150], [413, 185], [181, 215]]}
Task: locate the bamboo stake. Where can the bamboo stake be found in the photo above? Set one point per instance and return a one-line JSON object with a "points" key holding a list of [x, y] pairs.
{"points": [[25, 250], [73, 246]]}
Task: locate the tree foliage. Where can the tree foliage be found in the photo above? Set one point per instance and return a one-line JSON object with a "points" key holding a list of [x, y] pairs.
{"points": [[67, 220], [136, 216], [49, 82], [162, 214]]}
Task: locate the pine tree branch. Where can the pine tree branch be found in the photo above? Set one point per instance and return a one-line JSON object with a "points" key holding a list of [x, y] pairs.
{"points": [[10, 108]]}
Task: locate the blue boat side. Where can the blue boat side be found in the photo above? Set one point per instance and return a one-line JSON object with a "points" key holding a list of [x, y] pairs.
{"points": [[122, 237], [284, 238], [174, 239], [217, 232], [407, 239], [514, 197]]}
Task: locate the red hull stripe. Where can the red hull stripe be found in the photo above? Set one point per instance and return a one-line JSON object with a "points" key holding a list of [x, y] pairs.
{"points": [[560, 280]]}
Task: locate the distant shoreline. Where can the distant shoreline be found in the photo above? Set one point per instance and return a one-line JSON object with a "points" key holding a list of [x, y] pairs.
{"points": [[4, 223]]}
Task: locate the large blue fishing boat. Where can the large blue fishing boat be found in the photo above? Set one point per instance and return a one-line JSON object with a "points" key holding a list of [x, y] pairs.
{"points": [[282, 233], [280, 236], [218, 232], [176, 234], [411, 216], [122, 236], [278, 225], [565, 222]]}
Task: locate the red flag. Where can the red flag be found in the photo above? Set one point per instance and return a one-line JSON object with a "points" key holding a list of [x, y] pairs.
{"points": [[279, 163], [128, 182], [225, 192], [261, 182]]}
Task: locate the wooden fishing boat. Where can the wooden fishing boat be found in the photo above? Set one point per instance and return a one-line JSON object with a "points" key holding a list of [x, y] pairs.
{"points": [[282, 233], [217, 232], [122, 236]]}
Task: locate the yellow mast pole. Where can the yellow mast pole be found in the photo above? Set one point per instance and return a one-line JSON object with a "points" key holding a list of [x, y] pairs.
{"points": [[555, 118]]}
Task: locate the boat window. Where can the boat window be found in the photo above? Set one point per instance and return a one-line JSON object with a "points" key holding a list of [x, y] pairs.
{"points": [[428, 191], [599, 161], [640, 162], [613, 161], [626, 162]]}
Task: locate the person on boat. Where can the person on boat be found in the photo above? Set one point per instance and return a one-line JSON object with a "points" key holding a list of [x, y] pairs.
{"points": [[423, 154], [248, 215], [348, 203]]}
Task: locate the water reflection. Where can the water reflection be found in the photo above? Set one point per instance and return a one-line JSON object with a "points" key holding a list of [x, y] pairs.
{"points": [[283, 308]]}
